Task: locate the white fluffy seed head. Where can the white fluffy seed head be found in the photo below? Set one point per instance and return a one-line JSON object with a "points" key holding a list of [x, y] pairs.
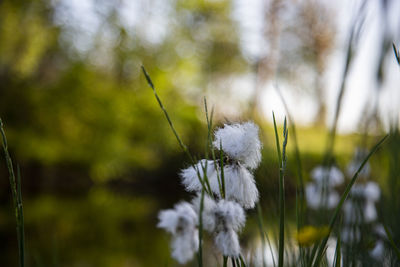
{"points": [[190, 178], [228, 243], [332, 176], [312, 196], [367, 192], [181, 223], [184, 246], [180, 219], [229, 215], [240, 142], [372, 191], [370, 213], [229, 218], [240, 185], [315, 198]]}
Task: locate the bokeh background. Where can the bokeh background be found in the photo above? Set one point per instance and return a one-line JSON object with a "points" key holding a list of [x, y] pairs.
{"points": [[97, 157]]}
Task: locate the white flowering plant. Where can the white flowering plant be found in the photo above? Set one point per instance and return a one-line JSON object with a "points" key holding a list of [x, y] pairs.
{"points": [[224, 189]]}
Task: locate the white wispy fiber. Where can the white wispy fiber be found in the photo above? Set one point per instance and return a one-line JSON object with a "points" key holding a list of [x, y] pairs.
{"points": [[372, 195], [239, 182], [316, 199], [224, 219], [230, 218], [372, 191], [330, 176], [240, 142], [321, 193], [240, 185], [181, 223], [190, 177], [228, 243]]}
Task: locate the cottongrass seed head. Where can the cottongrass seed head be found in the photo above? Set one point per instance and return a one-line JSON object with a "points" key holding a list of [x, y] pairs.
{"points": [[241, 186], [321, 174], [240, 142], [224, 219], [190, 175], [230, 218], [181, 223], [239, 182], [365, 195], [318, 198], [228, 243]]}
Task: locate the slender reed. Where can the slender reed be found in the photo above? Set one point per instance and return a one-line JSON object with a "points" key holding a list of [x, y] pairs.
{"points": [[282, 167], [300, 209], [391, 241], [204, 182], [206, 188], [16, 197]]}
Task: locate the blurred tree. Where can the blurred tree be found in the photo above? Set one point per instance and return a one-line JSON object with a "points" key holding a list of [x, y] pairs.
{"points": [[308, 43], [71, 91], [266, 64], [299, 37]]}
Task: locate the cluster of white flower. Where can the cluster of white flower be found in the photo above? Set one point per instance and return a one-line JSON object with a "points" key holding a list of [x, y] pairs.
{"points": [[223, 219], [181, 223], [242, 150], [359, 209], [321, 193], [223, 209]]}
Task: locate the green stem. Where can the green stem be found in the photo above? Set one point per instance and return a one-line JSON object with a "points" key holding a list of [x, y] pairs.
{"points": [[182, 145], [282, 167], [233, 262], [389, 235], [225, 261], [300, 209], [16, 197], [200, 252]]}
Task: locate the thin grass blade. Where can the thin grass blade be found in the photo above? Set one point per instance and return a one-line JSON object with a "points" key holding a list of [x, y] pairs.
{"points": [[391, 241], [16, 197]]}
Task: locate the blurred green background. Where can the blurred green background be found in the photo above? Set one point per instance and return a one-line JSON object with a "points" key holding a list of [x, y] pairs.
{"points": [[97, 157]]}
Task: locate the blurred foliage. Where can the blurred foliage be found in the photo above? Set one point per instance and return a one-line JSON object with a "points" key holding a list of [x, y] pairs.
{"points": [[61, 107]]}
